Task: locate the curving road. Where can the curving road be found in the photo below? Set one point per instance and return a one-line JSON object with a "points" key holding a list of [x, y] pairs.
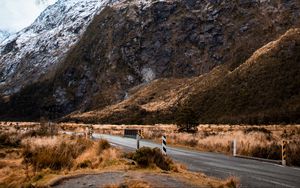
{"points": [[250, 172]]}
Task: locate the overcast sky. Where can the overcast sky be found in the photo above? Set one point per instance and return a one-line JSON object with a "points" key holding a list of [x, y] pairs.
{"points": [[18, 14]]}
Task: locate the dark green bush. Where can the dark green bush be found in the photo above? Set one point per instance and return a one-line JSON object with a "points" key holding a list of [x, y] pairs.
{"points": [[187, 120]]}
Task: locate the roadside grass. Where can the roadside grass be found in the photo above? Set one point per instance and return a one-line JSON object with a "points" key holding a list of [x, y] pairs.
{"points": [[55, 157], [37, 160]]}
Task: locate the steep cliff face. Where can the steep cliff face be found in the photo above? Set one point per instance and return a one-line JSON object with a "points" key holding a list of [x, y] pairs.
{"points": [[135, 42]]}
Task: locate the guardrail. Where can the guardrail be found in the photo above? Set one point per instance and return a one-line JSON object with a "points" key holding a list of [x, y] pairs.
{"points": [[132, 133]]}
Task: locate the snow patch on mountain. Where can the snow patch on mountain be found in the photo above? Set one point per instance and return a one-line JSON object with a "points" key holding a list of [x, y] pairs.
{"points": [[34, 51], [3, 35]]}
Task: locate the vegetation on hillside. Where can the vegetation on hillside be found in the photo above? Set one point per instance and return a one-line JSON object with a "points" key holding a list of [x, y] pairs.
{"points": [[264, 89]]}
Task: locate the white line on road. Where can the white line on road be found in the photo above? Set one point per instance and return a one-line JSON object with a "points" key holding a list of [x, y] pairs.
{"points": [[273, 182], [296, 168]]}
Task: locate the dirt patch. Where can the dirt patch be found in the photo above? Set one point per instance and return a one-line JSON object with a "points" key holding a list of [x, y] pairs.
{"points": [[108, 179], [95, 180]]}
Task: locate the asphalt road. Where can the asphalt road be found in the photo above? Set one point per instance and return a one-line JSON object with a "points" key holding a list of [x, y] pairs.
{"points": [[251, 173]]}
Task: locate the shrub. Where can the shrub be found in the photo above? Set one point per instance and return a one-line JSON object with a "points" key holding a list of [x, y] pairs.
{"points": [[187, 120], [102, 145], [272, 151], [257, 129], [146, 157], [44, 129], [9, 140], [232, 182], [267, 132], [85, 164], [293, 154], [191, 143]]}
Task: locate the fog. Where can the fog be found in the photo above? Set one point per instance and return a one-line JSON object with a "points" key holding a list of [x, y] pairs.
{"points": [[18, 14]]}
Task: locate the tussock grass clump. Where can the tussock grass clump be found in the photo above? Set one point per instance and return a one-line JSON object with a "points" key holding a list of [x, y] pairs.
{"points": [[84, 164], [147, 157], [55, 157], [293, 153], [9, 140], [102, 145], [100, 155], [231, 182], [272, 151], [257, 129]]}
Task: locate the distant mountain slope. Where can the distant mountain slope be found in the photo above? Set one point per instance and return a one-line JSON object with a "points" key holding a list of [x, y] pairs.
{"points": [[131, 43], [264, 89]]}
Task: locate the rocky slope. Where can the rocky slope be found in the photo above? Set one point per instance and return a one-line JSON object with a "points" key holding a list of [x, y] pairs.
{"points": [[132, 43], [28, 55], [264, 89]]}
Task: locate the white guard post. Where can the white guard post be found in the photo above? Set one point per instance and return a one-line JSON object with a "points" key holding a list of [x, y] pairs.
{"points": [[234, 147]]}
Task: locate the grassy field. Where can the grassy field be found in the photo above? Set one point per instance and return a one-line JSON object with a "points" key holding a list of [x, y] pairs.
{"points": [[262, 141], [35, 155]]}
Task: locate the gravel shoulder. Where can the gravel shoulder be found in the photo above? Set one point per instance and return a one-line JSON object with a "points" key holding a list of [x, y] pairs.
{"points": [[108, 179]]}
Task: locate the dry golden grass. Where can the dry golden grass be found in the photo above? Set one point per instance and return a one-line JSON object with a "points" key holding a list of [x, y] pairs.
{"points": [[39, 160], [43, 141], [97, 158], [93, 159]]}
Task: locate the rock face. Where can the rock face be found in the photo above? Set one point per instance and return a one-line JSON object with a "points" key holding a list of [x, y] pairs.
{"points": [[135, 42], [30, 54]]}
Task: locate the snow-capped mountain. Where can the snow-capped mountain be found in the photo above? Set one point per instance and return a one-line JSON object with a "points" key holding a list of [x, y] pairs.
{"points": [[3, 35], [34, 51]]}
